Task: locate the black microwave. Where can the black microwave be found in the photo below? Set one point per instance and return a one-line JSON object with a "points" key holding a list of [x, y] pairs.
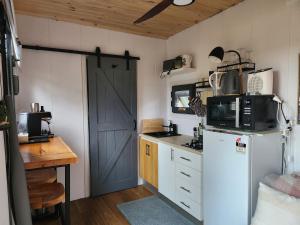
{"points": [[253, 112]]}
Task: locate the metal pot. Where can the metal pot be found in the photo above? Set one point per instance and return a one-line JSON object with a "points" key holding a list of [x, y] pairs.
{"points": [[230, 83]]}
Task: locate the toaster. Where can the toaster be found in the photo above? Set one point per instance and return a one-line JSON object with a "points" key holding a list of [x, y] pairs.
{"points": [[260, 82]]}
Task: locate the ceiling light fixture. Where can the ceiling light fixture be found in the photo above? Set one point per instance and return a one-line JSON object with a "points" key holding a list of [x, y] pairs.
{"points": [[182, 2]]}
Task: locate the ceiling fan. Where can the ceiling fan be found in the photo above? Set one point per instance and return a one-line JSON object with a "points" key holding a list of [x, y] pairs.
{"points": [[162, 6]]}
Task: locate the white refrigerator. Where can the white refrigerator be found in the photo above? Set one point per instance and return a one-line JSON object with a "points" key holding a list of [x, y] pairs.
{"points": [[233, 164]]}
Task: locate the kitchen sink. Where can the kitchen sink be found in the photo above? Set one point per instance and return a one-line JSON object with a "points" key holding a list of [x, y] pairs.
{"points": [[162, 134]]}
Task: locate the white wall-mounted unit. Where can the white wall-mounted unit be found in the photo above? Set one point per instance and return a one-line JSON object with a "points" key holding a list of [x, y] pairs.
{"points": [[180, 71]]}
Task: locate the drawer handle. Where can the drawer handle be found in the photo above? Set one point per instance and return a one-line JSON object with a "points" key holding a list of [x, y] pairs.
{"points": [[186, 159], [147, 149], [187, 190], [185, 174], [172, 154], [185, 205]]}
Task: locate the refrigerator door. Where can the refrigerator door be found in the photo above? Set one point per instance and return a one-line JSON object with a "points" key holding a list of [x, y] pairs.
{"points": [[225, 179]]}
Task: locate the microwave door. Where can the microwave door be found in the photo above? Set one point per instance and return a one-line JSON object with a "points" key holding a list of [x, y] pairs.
{"points": [[223, 113]]}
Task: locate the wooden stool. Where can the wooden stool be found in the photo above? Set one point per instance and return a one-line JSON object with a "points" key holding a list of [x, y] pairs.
{"points": [[47, 195], [42, 176]]}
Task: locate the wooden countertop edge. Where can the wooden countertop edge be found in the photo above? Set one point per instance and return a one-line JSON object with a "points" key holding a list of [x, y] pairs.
{"points": [[162, 140], [50, 163]]}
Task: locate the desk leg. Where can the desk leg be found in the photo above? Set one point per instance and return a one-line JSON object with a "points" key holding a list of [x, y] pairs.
{"points": [[67, 195]]}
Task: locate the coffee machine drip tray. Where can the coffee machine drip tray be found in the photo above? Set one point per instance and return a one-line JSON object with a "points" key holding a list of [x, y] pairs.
{"points": [[38, 139]]}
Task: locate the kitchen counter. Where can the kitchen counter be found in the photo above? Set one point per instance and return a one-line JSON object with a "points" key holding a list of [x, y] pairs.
{"points": [[175, 141]]}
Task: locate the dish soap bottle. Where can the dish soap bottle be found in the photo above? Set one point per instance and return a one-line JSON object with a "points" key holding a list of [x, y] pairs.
{"points": [[200, 131]]}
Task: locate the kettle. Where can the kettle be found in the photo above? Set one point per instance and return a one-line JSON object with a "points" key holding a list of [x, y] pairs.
{"points": [[215, 83], [230, 83], [225, 83]]}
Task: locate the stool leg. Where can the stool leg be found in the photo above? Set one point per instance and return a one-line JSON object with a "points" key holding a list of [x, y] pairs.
{"points": [[62, 218], [56, 211]]}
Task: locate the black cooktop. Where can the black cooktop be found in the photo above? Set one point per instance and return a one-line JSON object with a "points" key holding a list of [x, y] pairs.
{"points": [[194, 144]]}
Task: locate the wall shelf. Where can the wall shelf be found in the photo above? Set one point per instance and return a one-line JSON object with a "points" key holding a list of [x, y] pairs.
{"points": [[179, 71]]}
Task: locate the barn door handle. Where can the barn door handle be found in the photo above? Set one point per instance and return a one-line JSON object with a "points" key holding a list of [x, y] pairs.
{"points": [[134, 125]]}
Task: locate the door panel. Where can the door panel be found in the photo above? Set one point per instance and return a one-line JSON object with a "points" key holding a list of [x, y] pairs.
{"points": [[112, 119], [154, 158], [148, 163], [166, 171]]}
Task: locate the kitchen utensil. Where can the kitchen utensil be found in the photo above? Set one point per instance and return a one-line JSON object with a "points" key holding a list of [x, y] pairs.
{"points": [[214, 81], [197, 106]]}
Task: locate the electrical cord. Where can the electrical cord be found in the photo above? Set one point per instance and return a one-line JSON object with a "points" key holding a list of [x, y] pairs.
{"points": [[281, 107]]}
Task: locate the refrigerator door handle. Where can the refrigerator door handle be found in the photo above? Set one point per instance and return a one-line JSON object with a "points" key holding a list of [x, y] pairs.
{"points": [[172, 154], [237, 112]]}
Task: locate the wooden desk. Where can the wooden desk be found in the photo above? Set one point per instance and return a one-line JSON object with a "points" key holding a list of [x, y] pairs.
{"points": [[54, 153]]}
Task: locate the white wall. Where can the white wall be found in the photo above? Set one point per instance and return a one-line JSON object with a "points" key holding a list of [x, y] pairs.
{"points": [[58, 81], [270, 28], [4, 215]]}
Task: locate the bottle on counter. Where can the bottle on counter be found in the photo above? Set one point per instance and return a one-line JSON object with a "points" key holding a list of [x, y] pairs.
{"points": [[196, 133], [200, 132]]}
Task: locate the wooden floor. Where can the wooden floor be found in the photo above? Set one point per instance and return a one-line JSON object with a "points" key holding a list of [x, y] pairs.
{"points": [[102, 210]]}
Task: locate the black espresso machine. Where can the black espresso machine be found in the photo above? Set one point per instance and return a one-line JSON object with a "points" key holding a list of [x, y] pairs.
{"points": [[34, 127]]}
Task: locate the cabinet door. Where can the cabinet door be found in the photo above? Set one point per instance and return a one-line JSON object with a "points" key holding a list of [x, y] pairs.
{"points": [[166, 171], [145, 160], [149, 161], [154, 160]]}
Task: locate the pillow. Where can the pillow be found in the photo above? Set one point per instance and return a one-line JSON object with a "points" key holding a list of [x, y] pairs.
{"points": [[276, 208], [289, 184]]}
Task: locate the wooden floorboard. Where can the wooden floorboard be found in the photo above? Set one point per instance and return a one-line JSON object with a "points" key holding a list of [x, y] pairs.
{"points": [[101, 210]]}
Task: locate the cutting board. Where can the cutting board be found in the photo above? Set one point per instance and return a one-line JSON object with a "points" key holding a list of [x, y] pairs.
{"points": [[152, 125]]}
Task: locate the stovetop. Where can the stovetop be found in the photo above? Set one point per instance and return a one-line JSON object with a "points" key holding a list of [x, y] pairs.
{"points": [[194, 144]]}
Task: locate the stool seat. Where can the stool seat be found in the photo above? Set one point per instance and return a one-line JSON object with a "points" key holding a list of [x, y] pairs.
{"points": [[42, 176], [46, 195]]}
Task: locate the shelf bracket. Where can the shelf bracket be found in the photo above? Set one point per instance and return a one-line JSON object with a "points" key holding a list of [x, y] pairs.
{"points": [[98, 53], [127, 56]]}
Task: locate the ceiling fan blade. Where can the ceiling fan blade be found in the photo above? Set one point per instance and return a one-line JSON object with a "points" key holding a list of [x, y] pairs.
{"points": [[154, 11]]}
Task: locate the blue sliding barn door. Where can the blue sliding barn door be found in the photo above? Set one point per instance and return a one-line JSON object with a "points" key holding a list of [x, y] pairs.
{"points": [[112, 100]]}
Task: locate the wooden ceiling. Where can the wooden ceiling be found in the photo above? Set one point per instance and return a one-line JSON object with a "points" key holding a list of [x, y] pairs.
{"points": [[119, 15]]}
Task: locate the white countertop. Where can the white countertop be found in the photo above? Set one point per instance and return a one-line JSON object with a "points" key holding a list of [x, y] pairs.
{"points": [[175, 141]]}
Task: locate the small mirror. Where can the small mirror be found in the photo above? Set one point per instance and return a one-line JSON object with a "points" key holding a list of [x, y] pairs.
{"points": [[182, 99], [181, 96]]}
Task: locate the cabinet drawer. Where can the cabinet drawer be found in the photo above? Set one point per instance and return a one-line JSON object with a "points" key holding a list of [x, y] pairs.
{"points": [[188, 205], [189, 159], [188, 175], [192, 192]]}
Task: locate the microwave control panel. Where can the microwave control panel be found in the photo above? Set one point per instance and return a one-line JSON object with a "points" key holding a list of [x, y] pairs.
{"points": [[247, 113]]}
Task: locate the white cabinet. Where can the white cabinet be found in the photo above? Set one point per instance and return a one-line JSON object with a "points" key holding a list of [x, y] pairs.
{"points": [[166, 171], [180, 178], [189, 159]]}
